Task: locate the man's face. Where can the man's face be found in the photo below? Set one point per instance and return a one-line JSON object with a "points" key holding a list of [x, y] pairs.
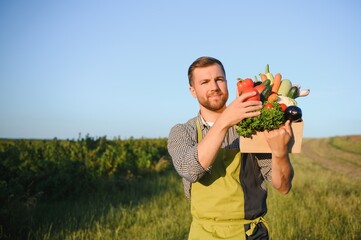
{"points": [[210, 87]]}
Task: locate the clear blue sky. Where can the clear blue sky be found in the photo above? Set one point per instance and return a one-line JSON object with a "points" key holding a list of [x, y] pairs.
{"points": [[119, 68]]}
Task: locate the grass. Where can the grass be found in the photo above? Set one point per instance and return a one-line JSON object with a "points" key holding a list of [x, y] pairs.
{"points": [[322, 204], [151, 208], [350, 144]]}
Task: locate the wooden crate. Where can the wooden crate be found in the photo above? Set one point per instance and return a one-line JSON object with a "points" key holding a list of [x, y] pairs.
{"points": [[257, 143]]}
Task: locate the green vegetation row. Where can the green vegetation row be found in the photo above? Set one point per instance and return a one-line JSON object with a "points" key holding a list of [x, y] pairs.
{"points": [[52, 170], [147, 201]]}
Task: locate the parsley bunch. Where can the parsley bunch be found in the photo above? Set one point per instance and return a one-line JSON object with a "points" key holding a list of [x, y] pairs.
{"points": [[269, 119]]}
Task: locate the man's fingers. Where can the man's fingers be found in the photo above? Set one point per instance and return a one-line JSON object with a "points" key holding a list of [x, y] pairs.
{"points": [[288, 127], [246, 95]]}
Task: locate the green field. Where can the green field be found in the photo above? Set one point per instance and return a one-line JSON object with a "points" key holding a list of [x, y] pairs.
{"points": [[324, 203]]}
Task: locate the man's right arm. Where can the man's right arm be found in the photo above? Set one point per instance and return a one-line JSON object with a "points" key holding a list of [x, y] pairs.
{"points": [[192, 160], [234, 113], [182, 148]]}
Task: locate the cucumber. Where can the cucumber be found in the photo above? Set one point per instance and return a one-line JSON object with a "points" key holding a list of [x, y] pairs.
{"points": [[293, 93], [270, 77], [266, 92], [266, 82], [285, 87]]}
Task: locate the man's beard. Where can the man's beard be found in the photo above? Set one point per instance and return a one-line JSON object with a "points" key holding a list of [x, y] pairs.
{"points": [[215, 106]]}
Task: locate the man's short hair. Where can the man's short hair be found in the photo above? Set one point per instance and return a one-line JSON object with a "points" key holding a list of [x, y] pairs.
{"points": [[203, 62]]}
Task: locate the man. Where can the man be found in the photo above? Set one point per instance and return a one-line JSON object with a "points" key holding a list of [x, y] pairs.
{"points": [[226, 188]]}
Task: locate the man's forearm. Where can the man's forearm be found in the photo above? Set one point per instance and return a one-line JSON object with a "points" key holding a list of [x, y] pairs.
{"points": [[282, 173], [210, 145]]}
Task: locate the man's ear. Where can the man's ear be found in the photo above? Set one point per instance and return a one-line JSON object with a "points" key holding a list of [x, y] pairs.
{"points": [[193, 91]]}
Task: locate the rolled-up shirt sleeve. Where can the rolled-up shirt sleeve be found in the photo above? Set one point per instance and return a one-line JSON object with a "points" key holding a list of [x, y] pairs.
{"points": [[182, 147], [264, 161]]}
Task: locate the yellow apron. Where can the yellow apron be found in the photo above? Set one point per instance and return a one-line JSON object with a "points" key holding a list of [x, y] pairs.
{"points": [[217, 200]]}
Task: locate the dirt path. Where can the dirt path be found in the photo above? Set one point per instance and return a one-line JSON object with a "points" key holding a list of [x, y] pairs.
{"points": [[337, 160]]}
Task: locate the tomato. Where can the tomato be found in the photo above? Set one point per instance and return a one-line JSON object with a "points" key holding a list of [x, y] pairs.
{"points": [[283, 106], [255, 97], [242, 84], [268, 105]]}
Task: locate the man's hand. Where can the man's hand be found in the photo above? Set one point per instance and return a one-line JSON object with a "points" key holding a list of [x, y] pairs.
{"points": [[282, 170], [240, 109], [278, 139]]}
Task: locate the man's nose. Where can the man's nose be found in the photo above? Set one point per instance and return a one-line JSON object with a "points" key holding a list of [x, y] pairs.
{"points": [[214, 85]]}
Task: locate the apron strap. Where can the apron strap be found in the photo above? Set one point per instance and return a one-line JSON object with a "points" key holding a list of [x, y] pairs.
{"points": [[199, 131], [253, 225]]}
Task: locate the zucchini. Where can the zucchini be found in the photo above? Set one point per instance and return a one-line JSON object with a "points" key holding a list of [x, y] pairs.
{"points": [[266, 82], [266, 92], [293, 93], [285, 87]]}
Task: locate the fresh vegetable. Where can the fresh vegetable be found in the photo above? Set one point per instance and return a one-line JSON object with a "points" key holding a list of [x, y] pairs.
{"points": [[268, 74], [269, 119], [284, 87], [257, 83], [272, 97], [260, 88], [279, 105], [283, 106], [266, 82], [287, 101], [294, 92], [304, 93], [276, 82], [241, 84], [250, 89], [266, 92], [268, 105], [247, 82], [263, 77], [293, 113]]}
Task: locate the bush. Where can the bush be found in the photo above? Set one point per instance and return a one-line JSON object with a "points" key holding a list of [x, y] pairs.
{"points": [[33, 170]]}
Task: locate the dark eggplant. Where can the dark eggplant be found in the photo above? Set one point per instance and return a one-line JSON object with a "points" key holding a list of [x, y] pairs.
{"points": [[293, 113], [257, 83]]}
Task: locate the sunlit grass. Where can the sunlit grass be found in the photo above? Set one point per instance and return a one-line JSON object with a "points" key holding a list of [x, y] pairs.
{"points": [[347, 144], [322, 204], [158, 210]]}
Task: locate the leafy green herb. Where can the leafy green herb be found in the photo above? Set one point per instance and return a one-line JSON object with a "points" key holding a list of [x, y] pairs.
{"points": [[269, 119]]}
